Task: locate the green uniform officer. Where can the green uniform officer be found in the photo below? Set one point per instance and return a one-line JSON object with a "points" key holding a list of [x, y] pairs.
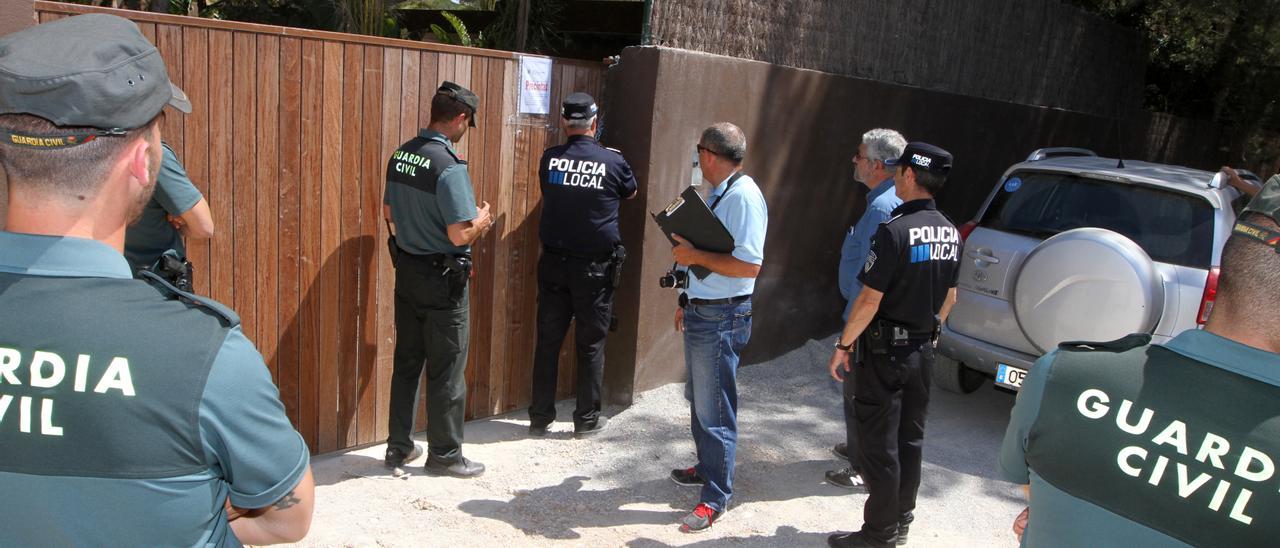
{"points": [[131, 414], [1135, 444], [434, 219], [176, 210]]}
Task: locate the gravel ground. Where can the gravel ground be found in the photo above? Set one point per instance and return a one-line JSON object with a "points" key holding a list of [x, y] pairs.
{"points": [[613, 490]]}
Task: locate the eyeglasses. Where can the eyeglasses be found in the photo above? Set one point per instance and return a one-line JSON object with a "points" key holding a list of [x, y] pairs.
{"points": [[707, 150]]}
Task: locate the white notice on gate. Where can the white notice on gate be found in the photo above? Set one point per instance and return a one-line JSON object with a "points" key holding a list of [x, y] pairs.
{"points": [[535, 85]]}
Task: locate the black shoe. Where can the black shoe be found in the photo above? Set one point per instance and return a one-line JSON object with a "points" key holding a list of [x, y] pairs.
{"points": [[460, 467], [585, 430], [847, 478], [856, 540], [396, 457], [687, 477], [841, 450], [538, 430], [904, 527]]}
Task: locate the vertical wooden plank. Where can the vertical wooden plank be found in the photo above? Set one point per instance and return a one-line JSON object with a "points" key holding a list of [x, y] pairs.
{"points": [[524, 257], [349, 252], [148, 30], [195, 152], [376, 64], [290, 188], [222, 249], [397, 90], [330, 240], [505, 263], [311, 255], [169, 42], [244, 188], [268, 199], [478, 364]]}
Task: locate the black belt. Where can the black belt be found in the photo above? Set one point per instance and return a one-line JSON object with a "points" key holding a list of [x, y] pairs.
{"points": [[593, 257], [685, 300]]}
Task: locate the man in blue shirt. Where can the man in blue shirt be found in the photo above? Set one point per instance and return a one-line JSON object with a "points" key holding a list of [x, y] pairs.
{"points": [[131, 414], [715, 316], [869, 169], [1132, 444]]}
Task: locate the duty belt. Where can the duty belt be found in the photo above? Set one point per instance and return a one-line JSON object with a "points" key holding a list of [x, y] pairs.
{"points": [[593, 257]]}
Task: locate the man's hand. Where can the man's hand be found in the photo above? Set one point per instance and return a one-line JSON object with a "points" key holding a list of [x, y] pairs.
{"points": [[684, 254], [839, 361], [484, 220], [177, 222], [1020, 523], [679, 319]]}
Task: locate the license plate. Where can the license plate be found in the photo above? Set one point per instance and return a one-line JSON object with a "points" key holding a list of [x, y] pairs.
{"points": [[1009, 376]]}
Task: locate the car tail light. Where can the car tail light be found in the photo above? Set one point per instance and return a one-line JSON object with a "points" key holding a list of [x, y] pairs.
{"points": [[1210, 295], [966, 229]]}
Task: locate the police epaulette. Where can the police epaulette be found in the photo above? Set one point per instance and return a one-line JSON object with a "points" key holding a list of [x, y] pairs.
{"points": [[448, 149], [613, 149], [228, 316], [1127, 342]]}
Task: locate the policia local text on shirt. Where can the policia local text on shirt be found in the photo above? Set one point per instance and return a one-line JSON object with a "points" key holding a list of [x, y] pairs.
{"points": [[909, 285]]}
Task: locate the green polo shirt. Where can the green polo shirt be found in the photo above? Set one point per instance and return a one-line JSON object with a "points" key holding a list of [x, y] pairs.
{"points": [[428, 189], [151, 235], [1059, 519], [251, 452]]}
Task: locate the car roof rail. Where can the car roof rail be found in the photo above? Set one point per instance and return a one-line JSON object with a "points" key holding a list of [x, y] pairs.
{"points": [[1058, 152]]}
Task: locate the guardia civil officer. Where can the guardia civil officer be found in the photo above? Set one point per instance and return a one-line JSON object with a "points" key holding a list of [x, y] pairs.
{"points": [[176, 211], [581, 262], [131, 414], [909, 283], [434, 219], [1128, 443]]}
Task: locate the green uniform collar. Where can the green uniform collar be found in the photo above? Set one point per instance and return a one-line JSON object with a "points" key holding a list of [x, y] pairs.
{"points": [[1227, 354], [435, 135], [60, 256]]}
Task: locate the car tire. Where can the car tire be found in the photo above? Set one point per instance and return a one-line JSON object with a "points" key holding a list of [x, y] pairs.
{"points": [[956, 377]]}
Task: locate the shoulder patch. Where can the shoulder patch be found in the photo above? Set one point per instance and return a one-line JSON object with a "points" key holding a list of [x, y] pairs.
{"points": [[228, 317], [1128, 342]]}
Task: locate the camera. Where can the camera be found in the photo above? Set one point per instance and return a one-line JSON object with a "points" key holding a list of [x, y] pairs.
{"points": [[678, 279]]}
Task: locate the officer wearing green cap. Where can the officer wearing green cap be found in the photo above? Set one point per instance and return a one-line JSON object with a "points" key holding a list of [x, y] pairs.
{"points": [[1128, 443], [131, 413], [432, 215]]}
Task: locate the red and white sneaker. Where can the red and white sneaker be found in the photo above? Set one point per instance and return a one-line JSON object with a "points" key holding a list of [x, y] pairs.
{"points": [[700, 519]]}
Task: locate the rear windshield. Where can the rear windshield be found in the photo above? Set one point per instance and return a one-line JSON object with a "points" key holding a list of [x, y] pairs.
{"points": [[1172, 227]]}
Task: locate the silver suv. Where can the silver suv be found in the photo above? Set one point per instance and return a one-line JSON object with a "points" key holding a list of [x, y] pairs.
{"points": [[1071, 246]]}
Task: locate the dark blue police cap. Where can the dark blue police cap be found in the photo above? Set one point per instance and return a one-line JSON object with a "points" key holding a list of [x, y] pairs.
{"points": [[923, 156], [578, 106]]}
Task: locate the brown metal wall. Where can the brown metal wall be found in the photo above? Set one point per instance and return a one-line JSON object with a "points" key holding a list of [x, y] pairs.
{"points": [[803, 128], [288, 140]]}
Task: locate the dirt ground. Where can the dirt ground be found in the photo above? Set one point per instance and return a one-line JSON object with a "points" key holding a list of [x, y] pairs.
{"points": [[613, 489]]}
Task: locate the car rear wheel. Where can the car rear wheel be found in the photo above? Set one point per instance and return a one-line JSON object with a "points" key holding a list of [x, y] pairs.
{"points": [[953, 376]]}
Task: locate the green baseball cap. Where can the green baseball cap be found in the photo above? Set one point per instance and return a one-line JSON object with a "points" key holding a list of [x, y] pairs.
{"points": [[461, 95], [93, 70], [1266, 202]]}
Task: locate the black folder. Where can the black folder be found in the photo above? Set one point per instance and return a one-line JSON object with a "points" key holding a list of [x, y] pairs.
{"points": [[690, 217]]}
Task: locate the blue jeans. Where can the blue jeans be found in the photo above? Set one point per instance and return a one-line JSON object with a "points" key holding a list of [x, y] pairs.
{"points": [[714, 335]]}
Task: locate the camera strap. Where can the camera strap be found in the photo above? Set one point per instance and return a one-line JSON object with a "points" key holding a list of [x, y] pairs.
{"points": [[727, 185]]}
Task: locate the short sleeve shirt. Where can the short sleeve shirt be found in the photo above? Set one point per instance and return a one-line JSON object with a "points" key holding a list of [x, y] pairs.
{"points": [[252, 453], [582, 184], [914, 260], [744, 213], [428, 189], [152, 235], [1059, 519]]}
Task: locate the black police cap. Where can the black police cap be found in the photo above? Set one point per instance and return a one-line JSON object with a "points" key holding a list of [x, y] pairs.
{"points": [[923, 156], [578, 106]]}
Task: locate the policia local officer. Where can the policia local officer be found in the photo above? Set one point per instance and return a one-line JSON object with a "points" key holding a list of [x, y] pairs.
{"points": [[1135, 444], [908, 288], [581, 262], [434, 219], [137, 415]]}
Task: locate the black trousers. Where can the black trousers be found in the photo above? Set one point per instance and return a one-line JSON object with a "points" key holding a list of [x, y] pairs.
{"points": [[850, 417], [891, 401], [576, 289], [432, 330]]}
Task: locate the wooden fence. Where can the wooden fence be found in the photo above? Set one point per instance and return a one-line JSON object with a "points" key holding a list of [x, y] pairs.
{"points": [[288, 141]]}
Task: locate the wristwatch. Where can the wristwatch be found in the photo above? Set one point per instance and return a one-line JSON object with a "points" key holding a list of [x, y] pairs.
{"points": [[844, 347]]}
